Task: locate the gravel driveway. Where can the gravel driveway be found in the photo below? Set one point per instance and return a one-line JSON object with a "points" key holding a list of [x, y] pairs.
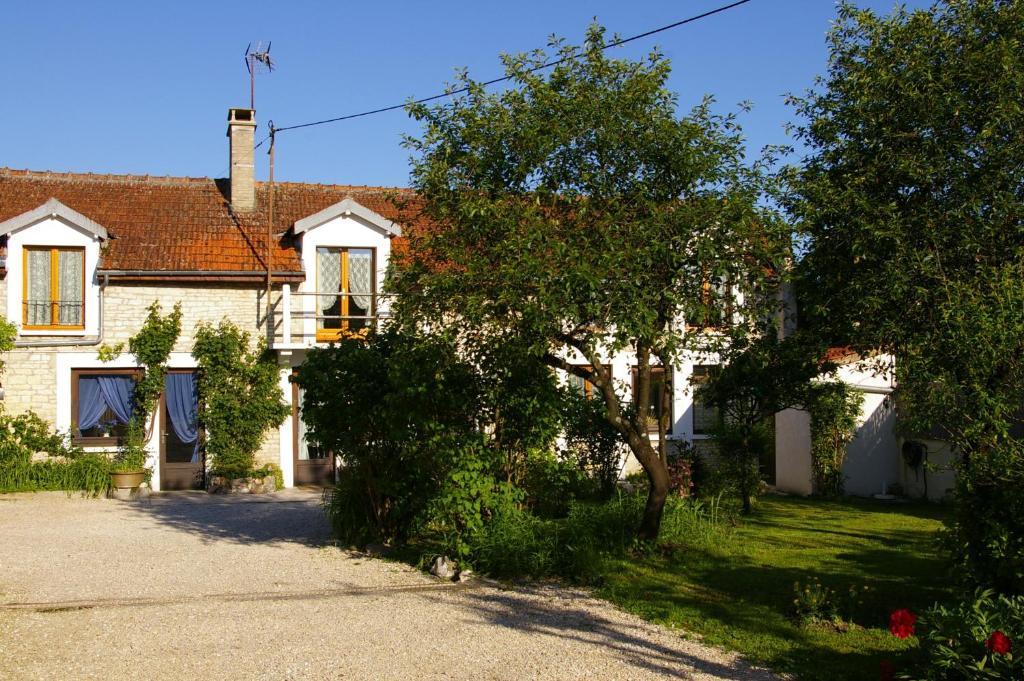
{"points": [[189, 586]]}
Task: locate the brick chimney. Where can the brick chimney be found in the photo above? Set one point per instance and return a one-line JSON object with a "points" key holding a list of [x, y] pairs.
{"points": [[241, 132]]}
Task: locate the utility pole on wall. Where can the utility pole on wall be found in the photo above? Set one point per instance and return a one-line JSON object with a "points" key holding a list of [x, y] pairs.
{"points": [[257, 60]]}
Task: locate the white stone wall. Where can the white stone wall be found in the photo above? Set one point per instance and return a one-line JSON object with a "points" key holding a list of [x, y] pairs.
{"points": [[30, 380]]}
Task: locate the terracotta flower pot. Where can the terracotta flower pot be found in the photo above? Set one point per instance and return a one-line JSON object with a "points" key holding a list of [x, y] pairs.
{"points": [[125, 484]]}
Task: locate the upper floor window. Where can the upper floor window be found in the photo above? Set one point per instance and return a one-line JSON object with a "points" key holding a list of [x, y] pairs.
{"points": [[581, 385], [346, 277], [54, 288]]}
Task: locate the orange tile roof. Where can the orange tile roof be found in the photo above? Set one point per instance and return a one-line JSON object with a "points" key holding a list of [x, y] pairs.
{"points": [[164, 224]]}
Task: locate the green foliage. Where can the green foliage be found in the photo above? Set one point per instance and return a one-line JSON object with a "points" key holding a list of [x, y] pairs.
{"points": [[131, 453], [89, 473], [401, 412], [516, 543], [953, 639], [986, 537], [239, 396], [760, 376], [580, 212], [815, 603], [834, 408], [910, 205], [25, 435], [740, 448], [152, 345], [8, 334], [591, 441], [553, 481]]}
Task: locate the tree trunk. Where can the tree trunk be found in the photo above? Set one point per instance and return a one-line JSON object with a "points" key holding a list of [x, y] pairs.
{"points": [[657, 476]]}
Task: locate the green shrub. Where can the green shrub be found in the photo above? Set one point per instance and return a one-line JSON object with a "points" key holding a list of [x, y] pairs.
{"points": [[591, 441], [517, 543], [834, 408], [401, 413], [553, 482], [986, 535], [89, 473], [959, 642], [239, 396]]}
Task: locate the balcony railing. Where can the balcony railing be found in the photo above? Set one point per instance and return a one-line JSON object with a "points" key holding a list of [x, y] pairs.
{"points": [[303, 319]]}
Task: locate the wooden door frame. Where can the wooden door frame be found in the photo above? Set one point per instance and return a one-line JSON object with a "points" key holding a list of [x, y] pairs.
{"points": [[164, 424], [330, 463]]}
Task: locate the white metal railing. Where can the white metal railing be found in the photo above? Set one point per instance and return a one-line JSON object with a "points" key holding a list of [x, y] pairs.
{"points": [[300, 319]]}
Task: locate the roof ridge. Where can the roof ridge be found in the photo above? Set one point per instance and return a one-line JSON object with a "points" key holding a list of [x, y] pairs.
{"points": [[100, 177], [322, 185], [7, 172]]}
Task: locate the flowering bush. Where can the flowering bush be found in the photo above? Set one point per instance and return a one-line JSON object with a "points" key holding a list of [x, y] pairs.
{"points": [[969, 640], [901, 623]]}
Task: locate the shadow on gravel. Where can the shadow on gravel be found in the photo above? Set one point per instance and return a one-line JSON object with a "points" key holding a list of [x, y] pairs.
{"points": [[558, 617], [294, 516]]}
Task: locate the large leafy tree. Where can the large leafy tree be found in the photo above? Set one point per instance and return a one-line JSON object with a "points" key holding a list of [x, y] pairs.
{"points": [[578, 215], [912, 204]]}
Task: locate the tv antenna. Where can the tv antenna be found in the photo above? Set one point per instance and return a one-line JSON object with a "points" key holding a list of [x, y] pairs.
{"points": [[257, 60]]}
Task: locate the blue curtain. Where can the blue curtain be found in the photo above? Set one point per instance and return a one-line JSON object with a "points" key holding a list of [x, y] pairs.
{"points": [[182, 408], [118, 391], [90, 402]]}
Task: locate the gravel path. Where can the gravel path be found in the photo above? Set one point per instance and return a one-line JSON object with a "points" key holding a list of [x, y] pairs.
{"points": [[189, 586]]}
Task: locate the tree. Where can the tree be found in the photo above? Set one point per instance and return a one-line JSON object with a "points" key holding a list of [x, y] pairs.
{"points": [[577, 213], [911, 202], [761, 376]]}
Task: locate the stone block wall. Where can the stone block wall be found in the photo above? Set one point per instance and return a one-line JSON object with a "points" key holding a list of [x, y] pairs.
{"points": [[30, 376]]}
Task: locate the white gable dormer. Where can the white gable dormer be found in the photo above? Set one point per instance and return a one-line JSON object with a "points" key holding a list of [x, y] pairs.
{"points": [[345, 252], [52, 255]]}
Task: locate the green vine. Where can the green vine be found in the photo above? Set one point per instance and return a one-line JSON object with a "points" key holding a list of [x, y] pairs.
{"points": [[151, 345], [240, 397], [834, 408]]}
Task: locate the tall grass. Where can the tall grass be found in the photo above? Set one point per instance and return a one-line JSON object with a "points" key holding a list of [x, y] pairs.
{"points": [[89, 473], [519, 544]]}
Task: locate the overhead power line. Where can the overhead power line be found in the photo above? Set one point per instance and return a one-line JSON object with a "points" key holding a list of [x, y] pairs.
{"points": [[494, 81]]}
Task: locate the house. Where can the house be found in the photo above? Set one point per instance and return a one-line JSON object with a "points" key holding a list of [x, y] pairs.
{"points": [[84, 255]]}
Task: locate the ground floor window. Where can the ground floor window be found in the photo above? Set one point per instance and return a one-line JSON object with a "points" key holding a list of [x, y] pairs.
{"points": [[659, 406], [705, 416], [102, 403]]}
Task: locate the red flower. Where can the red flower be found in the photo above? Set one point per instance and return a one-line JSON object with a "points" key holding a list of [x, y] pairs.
{"points": [[886, 671], [998, 643], [901, 623]]}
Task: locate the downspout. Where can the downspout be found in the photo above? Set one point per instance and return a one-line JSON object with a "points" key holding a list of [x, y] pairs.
{"points": [[85, 342]]}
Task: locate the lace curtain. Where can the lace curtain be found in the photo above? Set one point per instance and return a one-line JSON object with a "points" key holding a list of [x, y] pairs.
{"points": [[360, 278], [37, 298], [70, 265], [329, 267]]}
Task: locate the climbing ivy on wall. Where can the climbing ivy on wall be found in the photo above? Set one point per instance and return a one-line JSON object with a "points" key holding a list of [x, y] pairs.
{"points": [[152, 346], [834, 408], [239, 396]]}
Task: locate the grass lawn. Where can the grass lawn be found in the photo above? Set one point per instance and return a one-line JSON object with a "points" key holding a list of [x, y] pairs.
{"points": [[739, 593]]}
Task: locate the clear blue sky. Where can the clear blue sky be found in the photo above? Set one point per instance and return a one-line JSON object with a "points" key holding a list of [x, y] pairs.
{"points": [[144, 87]]}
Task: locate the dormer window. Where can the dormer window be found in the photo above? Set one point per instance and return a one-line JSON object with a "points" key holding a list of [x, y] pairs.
{"points": [[346, 275], [54, 288]]}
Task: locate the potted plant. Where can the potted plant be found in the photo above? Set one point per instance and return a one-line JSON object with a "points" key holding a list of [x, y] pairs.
{"points": [[128, 469]]}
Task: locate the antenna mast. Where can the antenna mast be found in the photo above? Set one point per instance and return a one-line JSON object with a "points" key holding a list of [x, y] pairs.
{"points": [[257, 60]]}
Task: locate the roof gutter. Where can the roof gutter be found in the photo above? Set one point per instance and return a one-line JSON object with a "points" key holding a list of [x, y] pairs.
{"points": [[203, 275]]}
